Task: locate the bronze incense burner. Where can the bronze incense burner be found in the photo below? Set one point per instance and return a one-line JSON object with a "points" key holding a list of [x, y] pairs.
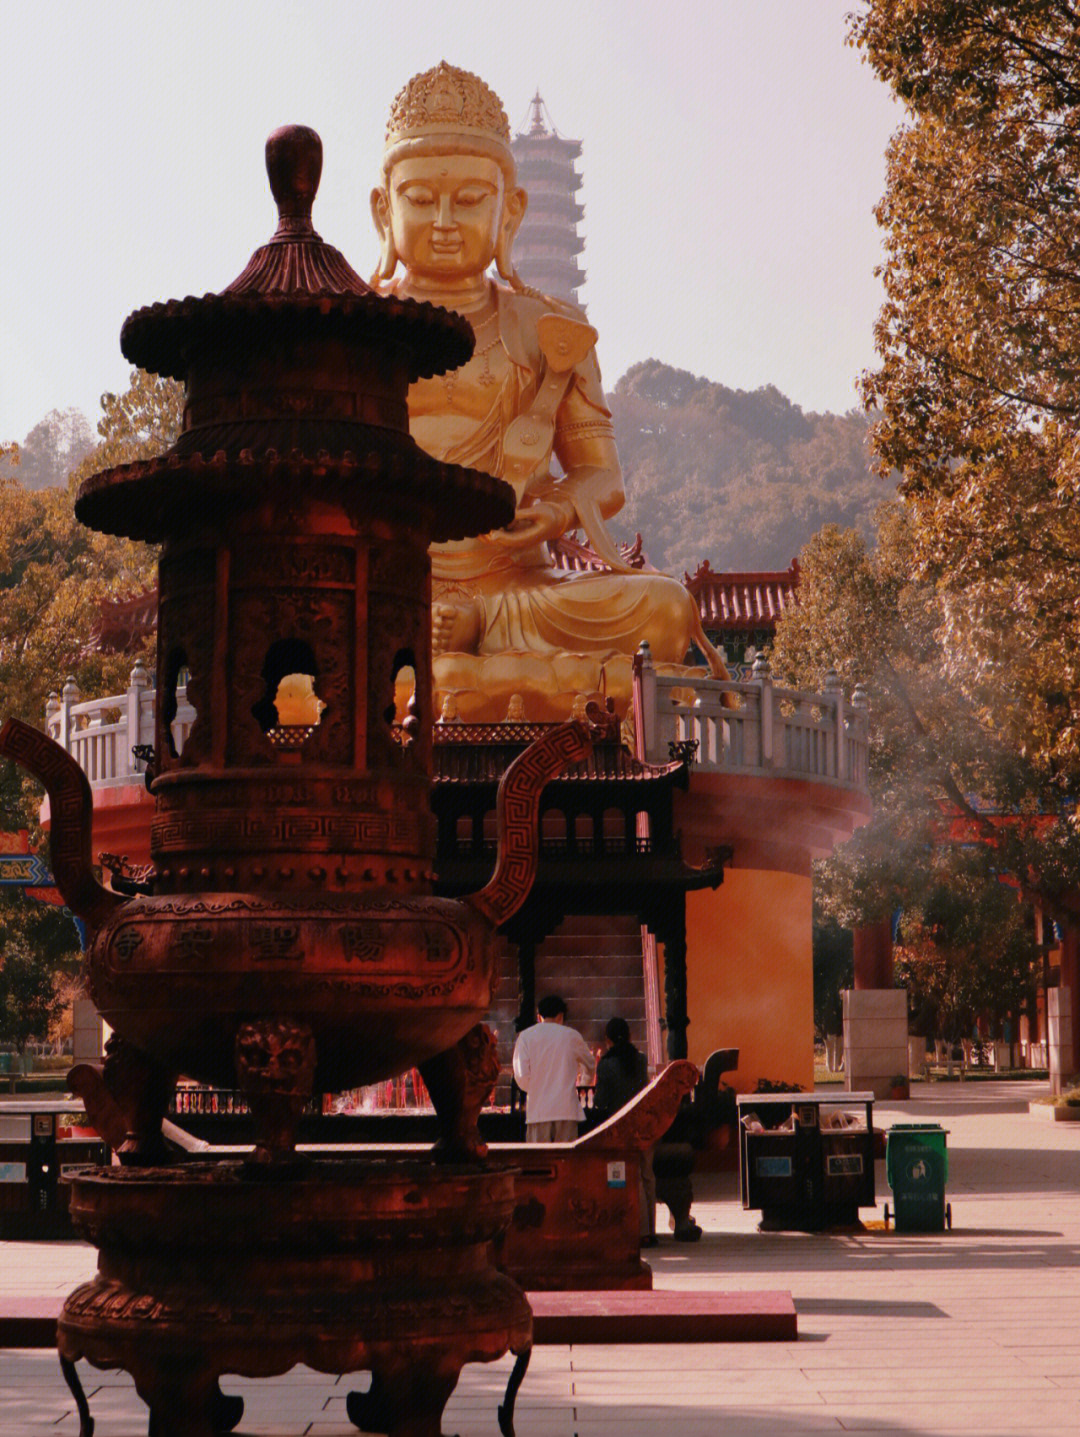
{"points": [[288, 940]]}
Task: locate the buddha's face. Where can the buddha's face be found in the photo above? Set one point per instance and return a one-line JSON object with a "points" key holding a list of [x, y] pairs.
{"points": [[446, 213]]}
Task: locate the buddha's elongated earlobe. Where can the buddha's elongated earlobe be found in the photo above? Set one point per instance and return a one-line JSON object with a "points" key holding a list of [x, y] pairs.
{"points": [[514, 207], [388, 255]]}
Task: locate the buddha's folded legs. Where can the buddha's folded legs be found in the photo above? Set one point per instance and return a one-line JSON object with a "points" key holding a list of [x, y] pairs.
{"points": [[546, 611]]}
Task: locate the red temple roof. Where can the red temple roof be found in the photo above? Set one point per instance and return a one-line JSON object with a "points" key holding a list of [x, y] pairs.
{"points": [[742, 601]]}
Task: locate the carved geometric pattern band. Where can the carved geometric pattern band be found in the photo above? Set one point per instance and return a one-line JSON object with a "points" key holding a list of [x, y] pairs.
{"points": [[517, 808]]}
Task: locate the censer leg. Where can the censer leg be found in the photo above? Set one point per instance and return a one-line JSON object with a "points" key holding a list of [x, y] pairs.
{"points": [[228, 1410], [366, 1410], [71, 1377], [275, 1068], [405, 1402], [183, 1402], [517, 1376]]}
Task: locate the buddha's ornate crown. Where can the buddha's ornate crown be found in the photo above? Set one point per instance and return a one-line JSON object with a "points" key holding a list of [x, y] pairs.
{"points": [[452, 103]]}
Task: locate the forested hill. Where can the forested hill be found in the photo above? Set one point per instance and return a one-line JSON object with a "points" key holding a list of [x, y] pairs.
{"points": [[739, 478]]}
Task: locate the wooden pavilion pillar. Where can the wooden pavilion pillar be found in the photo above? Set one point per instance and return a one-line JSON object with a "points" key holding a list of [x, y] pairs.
{"points": [[526, 945], [668, 922]]}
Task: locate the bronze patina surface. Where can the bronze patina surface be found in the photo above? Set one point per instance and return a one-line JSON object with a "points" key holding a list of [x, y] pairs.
{"points": [[287, 939], [293, 837], [354, 1266]]}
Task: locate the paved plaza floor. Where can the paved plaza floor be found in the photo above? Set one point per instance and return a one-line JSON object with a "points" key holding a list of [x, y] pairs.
{"points": [[976, 1330]]}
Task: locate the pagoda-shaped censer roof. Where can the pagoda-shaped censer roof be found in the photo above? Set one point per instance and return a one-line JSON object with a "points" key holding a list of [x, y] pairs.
{"points": [[296, 374], [296, 274]]}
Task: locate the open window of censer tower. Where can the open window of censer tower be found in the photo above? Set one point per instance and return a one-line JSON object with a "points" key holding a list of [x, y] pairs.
{"points": [[291, 709]]}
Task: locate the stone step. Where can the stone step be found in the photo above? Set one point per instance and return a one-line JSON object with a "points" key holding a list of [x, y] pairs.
{"points": [[559, 1318], [614, 945], [592, 961], [600, 923], [660, 1315], [581, 960]]}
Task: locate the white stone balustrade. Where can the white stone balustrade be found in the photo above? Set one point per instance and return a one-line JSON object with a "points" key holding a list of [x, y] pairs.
{"points": [[756, 727], [101, 733], [745, 728]]}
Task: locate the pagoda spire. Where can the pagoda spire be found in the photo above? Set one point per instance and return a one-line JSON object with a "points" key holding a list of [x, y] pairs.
{"points": [[536, 105]]}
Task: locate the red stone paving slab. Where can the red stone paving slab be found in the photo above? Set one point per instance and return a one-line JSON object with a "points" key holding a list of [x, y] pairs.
{"points": [[29, 1321], [662, 1315]]}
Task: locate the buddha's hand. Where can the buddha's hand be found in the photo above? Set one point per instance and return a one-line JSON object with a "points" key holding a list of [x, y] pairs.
{"points": [[538, 520]]}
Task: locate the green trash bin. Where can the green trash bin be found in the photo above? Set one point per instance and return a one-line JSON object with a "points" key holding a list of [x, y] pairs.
{"points": [[917, 1167]]}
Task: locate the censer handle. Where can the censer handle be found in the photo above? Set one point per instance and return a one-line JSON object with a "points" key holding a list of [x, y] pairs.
{"points": [[72, 806]]}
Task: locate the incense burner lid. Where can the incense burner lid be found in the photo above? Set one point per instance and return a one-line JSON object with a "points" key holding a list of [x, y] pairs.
{"points": [[295, 282]]}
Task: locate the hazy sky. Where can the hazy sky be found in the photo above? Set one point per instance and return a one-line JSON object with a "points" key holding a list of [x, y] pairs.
{"points": [[733, 152]]}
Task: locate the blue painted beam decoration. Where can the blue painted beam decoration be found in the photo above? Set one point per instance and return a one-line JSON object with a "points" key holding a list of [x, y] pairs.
{"points": [[25, 869]]}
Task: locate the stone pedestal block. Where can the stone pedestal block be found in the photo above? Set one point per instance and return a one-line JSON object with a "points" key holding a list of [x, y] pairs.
{"points": [[87, 1034], [875, 1038], [1059, 1013]]}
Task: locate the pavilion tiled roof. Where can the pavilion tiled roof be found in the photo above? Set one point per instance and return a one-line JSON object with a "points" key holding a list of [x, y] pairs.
{"points": [[481, 753], [740, 602]]}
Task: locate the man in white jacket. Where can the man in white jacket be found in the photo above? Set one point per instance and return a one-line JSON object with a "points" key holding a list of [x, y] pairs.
{"points": [[549, 1061]]}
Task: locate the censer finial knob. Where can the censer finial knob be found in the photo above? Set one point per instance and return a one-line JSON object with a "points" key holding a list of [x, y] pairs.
{"points": [[294, 165]]}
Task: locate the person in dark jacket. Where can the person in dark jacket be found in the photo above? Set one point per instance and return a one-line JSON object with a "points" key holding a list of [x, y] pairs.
{"points": [[621, 1073]]}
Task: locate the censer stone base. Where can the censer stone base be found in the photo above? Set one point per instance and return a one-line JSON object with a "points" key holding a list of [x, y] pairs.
{"points": [[345, 1266]]}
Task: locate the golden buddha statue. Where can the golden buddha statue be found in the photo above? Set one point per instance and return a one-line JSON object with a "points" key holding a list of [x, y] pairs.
{"points": [[505, 621]]}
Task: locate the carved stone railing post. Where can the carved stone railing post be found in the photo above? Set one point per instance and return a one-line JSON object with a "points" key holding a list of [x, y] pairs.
{"points": [[834, 690], [860, 704], [645, 703], [69, 697], [762, 676], [137, 684]]}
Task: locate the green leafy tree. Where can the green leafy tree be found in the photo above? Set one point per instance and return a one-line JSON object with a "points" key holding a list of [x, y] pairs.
{"points": [[939, 766], [978, 392], [38, 958], [833, 972], [955, 808], [861, 614], [138, 424], [51, 450], [55, 574], [966, 949]]}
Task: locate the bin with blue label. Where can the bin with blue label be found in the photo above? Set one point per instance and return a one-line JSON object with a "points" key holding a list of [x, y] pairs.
{"points": [[805, 1159], [917, 1167]]}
